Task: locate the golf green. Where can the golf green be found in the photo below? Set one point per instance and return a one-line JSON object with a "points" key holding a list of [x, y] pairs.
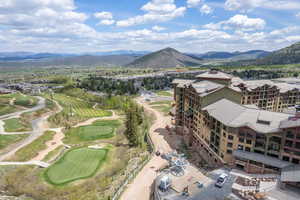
{"points": [[76, 164]]}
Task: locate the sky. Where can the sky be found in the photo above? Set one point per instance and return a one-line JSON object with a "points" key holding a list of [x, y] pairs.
{"points": [[193, 26]]}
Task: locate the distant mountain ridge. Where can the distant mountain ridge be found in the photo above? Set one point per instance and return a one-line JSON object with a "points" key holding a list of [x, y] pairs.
{"points": [[165, 58], [288, 55], [253, 54]]}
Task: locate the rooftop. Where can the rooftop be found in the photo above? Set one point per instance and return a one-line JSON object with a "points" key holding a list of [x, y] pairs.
{"points": [[205, 87], [215, 74], [234, 115]]}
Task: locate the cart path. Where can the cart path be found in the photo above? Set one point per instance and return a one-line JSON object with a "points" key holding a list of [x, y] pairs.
{"points": [[39, 126], [140, 188]]}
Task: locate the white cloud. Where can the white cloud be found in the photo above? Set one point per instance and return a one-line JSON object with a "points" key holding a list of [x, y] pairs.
{"points": [[205, 9], [103, 15], [239, 22], [156, 11], [193, 3], [248, 5], [106, 22], [158, 28], [298, 14]]}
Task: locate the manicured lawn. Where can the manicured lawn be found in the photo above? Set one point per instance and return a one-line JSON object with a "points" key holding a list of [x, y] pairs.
{"points": [[28, 152], [6, 140], [164, 93], [76, 164], [98, 130], [21, 100], [16, 125]]}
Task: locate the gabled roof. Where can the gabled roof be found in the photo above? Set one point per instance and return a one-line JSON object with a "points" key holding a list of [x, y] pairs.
{"points": [[234, 115]]}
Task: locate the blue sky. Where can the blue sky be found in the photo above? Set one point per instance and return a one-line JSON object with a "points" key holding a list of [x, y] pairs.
{"points": [[76, 26]]}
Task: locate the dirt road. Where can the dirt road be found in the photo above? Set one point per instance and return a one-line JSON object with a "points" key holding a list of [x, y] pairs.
{"points": [[140, 188]]}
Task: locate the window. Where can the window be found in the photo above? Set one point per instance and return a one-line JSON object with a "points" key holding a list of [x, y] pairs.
{"points": [[288, 143], [297, 146], [240, 147], [295, 161], [229, 151], [229, 144], [241, 140], [230, 137], [247, 149], [286, 158], [290, 134], [248, 141]]}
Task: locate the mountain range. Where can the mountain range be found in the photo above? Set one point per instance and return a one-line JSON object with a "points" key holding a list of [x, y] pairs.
{"points": [[164, 58]]}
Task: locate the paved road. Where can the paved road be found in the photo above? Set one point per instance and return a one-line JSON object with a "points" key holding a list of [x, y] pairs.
{"points": [[210, 192], [38, 163], [140, 188]]}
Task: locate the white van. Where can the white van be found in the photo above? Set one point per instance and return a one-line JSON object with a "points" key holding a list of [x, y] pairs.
{"points": [[221, 180]]}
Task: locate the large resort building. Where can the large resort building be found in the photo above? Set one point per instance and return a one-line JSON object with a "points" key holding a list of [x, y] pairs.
{"points": [[244, 124]]}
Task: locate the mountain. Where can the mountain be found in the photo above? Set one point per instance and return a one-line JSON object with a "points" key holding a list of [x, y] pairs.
{"points": [[165, 58], [84, 60], [288, 55], [19, 56], [248, 55], [120, 52]]}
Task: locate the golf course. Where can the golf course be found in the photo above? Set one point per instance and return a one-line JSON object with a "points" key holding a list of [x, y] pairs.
{"points": [[76, 164]]}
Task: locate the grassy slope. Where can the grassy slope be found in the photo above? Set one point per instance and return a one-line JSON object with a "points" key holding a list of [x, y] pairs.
{"points": [[31, 150], [6, 140], [16, 125], [164, 93], [74, 111], [76, 164]]}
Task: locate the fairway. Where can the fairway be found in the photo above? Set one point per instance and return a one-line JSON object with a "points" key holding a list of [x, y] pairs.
{"points": [[76, 164], [79, 107]]}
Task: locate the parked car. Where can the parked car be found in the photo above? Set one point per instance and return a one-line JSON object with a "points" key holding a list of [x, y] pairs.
{"points": [[221, 180]]}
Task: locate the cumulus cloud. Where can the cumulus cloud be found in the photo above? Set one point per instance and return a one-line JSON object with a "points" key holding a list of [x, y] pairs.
{"points": [[103, 15], [156, 11], [106, 22], [248, 5], [158, 28], [193, 3], [205, 9], [239, 22]]}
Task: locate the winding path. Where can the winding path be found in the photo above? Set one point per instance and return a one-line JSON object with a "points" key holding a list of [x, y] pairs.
{"points": [[140, 188], [39, 126]]}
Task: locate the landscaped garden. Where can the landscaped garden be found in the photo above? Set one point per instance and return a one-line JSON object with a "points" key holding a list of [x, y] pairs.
{"points": [[101, 129], [164, 93], [76, 164]]}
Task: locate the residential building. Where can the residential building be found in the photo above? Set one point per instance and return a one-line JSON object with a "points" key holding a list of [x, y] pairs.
{"points": [[237, 123]]}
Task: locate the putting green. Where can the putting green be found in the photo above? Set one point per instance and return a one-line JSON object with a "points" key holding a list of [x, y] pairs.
{"points": [[76, 164], [95, 132]]}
